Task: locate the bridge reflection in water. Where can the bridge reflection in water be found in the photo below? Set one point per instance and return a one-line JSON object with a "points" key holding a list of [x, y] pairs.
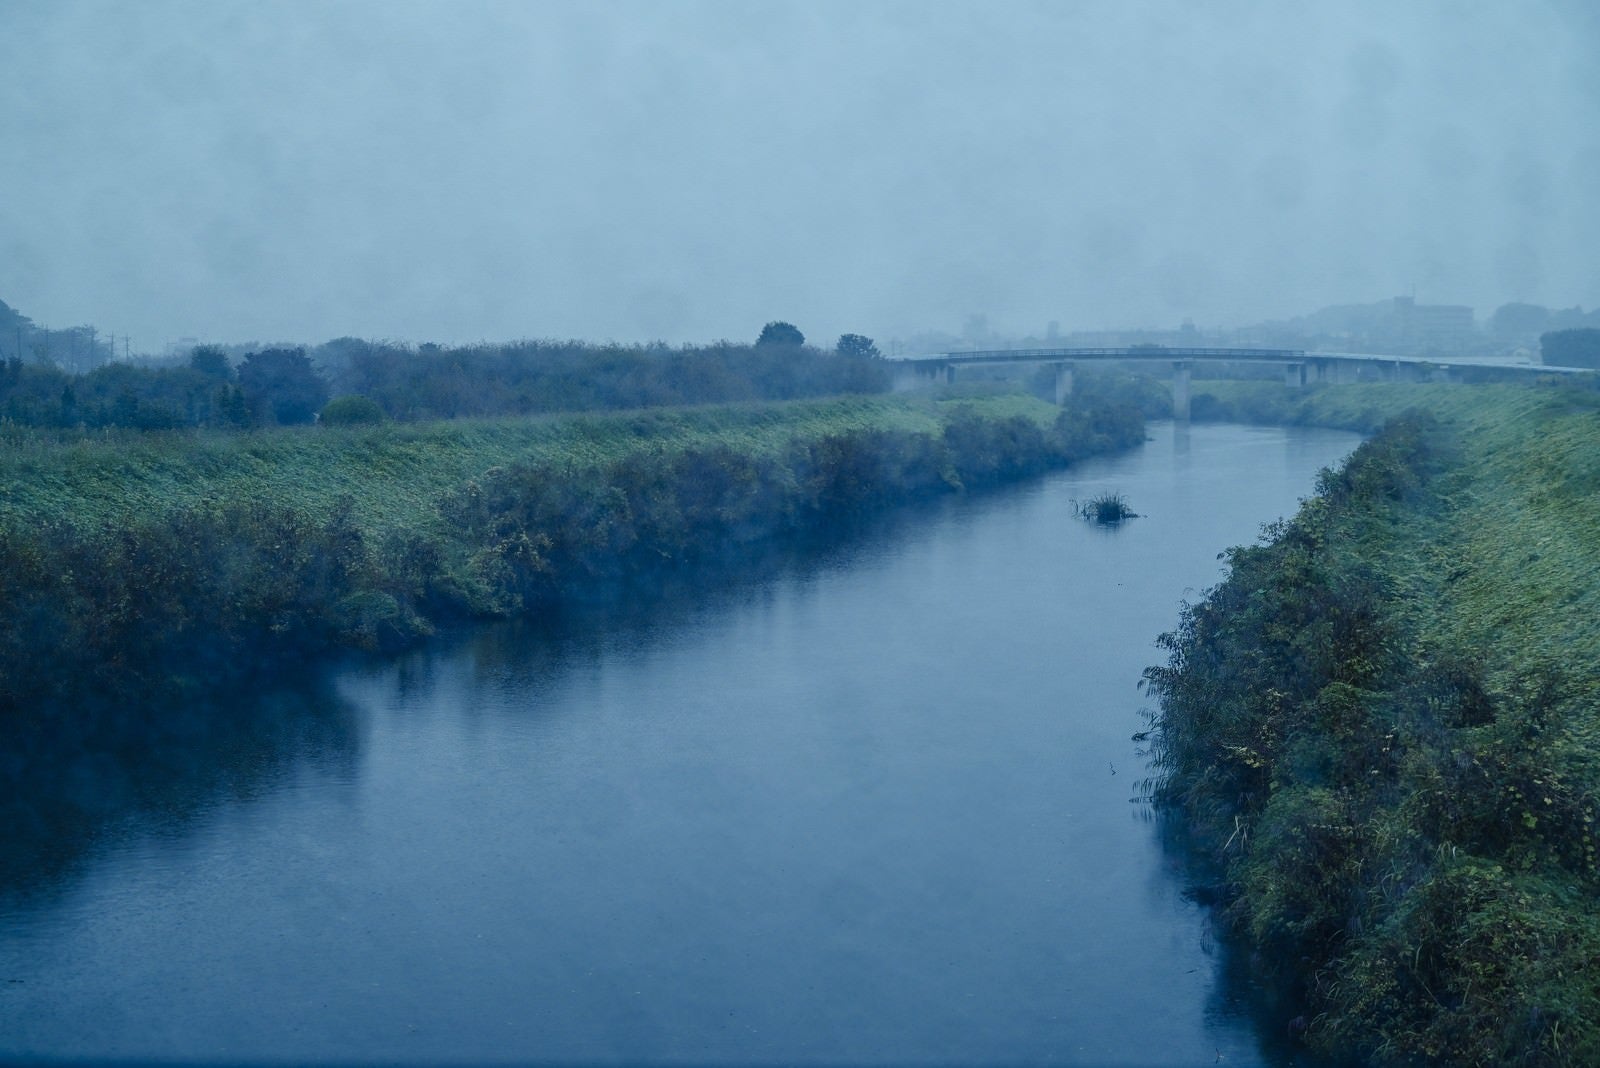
{"points": [[1300, 368]]}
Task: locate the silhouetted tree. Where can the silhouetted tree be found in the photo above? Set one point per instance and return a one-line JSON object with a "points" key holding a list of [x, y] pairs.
{"points": [[1571, 348], [857, 345], [781, 333], [280, 385], [211, 361], [1519, 320]]}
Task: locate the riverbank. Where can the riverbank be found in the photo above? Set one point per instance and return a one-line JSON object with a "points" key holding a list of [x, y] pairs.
{"points": [[885, 761], [1382, 726], [137, 565]]}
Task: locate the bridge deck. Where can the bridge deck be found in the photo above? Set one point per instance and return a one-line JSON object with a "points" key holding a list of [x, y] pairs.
{"points": [[1171, 354], [1131, 352]]}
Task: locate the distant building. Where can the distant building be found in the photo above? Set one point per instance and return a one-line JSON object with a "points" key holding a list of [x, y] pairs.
{"points": [[1432, 328]]}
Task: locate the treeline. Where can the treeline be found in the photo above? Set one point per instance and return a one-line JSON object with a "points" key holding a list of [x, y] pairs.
{"points": [[1401, 799], [274, 386], [217, 591], [542, 376], [123, 395]]}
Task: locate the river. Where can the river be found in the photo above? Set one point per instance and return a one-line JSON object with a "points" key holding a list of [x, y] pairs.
{"points": [[871, 806]]}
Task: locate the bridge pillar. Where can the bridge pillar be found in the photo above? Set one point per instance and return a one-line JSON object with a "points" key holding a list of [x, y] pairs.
{"points": [[1063, 382], [1180, 390], [907, 375], [903, 377], [1294, 375]]}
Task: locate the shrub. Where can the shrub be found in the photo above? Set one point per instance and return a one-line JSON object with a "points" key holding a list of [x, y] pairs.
{"points": [[351, 410]]}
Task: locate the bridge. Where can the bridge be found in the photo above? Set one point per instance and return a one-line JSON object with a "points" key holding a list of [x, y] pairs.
{"points": [[1300, 368]]}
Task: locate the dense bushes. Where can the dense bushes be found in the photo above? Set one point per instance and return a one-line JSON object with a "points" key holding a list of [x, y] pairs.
{"points": [[542, 533], [351, 411], [1402, 804], [1150, 394], [188, 598], [217, 589]]}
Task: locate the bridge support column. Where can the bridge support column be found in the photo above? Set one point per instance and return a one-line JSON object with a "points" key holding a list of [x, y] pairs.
{"points": [[947, 373], [1063, 382], [1294, 375], [903, 377], [1180, 390]]}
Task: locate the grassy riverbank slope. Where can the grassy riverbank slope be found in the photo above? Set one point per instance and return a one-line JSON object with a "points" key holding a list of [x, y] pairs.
{"points": [[133, 564], [1386, 725]]}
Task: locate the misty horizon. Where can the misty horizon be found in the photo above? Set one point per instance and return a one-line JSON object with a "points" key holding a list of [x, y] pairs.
{"points": [[455, 173]]}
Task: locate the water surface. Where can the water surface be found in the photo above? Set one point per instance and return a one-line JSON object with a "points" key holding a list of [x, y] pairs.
{"points": [[871, 807]]}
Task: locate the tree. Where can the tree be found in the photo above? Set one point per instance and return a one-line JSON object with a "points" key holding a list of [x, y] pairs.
{"points": [[228, 407], [1519, 320], [780, 333], [211, 362], [857, 345], [1571, 348], [280, 385]]}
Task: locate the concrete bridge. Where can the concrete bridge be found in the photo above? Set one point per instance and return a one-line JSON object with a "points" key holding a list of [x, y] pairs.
{"points": [[1300, 368]]}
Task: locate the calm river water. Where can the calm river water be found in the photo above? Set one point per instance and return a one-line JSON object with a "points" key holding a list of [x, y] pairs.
{"points": [[872, 807]]}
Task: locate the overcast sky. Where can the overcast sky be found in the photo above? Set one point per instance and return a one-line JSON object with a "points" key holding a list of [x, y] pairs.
{"points": [[470, 170]]}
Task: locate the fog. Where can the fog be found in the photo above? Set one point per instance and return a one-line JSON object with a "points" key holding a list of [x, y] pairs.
{"points": [[634, 171]]}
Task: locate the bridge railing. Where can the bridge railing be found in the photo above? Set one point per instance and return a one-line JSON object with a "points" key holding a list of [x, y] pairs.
{"points": [[1132, 352]]}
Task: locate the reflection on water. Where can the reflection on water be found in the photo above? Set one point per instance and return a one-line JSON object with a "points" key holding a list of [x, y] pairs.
{"points": [[867, 804], [75, 778], [74, 781]]}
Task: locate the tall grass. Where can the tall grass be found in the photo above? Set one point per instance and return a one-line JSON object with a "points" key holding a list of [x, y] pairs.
{"points": [[1107, 509], [1383, 723], [134, 565], [390, 475]]}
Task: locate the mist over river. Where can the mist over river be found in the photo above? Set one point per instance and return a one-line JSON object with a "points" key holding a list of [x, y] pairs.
{"points": [[870, 806]]}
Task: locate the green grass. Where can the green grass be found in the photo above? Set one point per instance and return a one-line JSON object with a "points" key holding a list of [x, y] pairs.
{"points": [[136, 565], [1422, 835], [394, 474], [1523, 522]]}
